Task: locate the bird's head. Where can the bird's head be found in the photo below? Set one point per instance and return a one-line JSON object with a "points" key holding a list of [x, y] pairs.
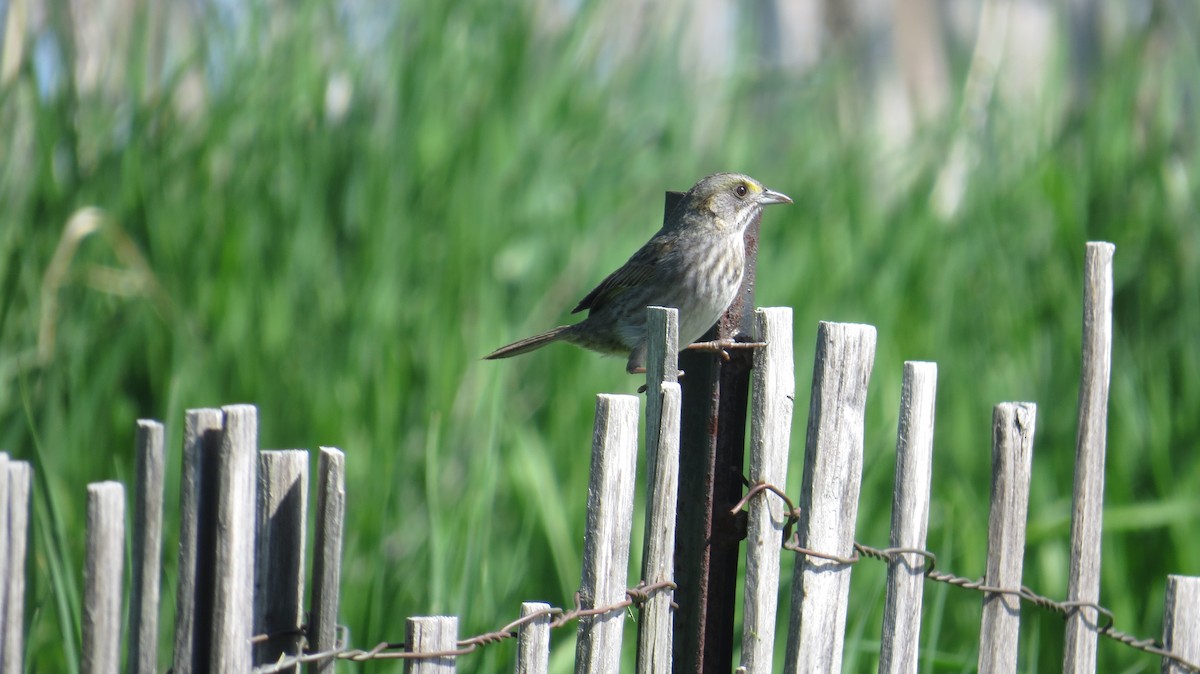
{"points": [[730, 200]]}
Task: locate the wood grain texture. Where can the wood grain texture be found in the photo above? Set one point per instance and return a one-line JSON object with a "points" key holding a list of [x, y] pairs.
{"points": [[1181, 622], [5, 557], [20, 479], [774, 390], [606, 538], [282, 504], [327, 555], [103, 577], [1013, 426], [655, 637], [1087, 514], [828, 504], [233, 570], [533, 640], [901, 634], [147, 549], [662, 349], [193, 613], [430, 635]]}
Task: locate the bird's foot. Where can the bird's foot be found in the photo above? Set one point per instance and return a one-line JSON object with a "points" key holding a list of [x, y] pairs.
{"points": [[722, 346], [643, 388]]}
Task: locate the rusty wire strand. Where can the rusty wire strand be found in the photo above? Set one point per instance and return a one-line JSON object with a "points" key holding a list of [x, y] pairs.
{"points": [[643, 592], [634, 596], [929, 563]]}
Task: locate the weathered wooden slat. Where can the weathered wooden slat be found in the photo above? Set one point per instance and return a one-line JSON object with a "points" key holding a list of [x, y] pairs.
{"points": [[279, 561], [327, 555], [431, 635], [655, 629], [1083, 584], [829, 496], [662, 354], [103, 575], [4, 553], [1181, 622], [1013, 426], [147, 549], [606, 539], [910, 520], [774, 391], [533, 640], [233, 571], [193, 613], [20, 477], [658, 560], [708, 542]]}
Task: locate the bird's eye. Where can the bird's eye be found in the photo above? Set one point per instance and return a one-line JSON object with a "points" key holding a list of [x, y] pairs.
{"points": [[740, 190]]}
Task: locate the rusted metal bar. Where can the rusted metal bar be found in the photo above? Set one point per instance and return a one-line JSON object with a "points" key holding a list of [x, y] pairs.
{"points": [[712, 449]]}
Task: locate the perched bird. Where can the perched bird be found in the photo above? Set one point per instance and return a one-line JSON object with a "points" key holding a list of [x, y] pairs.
{"points": [[694, 263]]}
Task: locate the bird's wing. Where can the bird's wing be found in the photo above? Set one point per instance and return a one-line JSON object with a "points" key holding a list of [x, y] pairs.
{"points": [[632, 274]]}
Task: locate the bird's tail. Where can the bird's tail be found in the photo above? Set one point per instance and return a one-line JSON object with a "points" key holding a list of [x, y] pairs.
{"points": [[528, 344]]}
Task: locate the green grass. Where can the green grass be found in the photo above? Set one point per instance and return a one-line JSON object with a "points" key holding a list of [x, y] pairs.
{"points": [[345, 275]]}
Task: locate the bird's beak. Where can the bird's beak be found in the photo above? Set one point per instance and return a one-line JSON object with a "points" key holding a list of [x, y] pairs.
{"points": [[772, 197]]}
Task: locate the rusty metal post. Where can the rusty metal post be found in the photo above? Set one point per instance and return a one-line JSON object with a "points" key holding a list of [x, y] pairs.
{"points": [[712, 448]]}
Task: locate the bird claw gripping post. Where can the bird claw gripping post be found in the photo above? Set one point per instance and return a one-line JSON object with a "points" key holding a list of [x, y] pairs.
{"points": [[722, 346]]}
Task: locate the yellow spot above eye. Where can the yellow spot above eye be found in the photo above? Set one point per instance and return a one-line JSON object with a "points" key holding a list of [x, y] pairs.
{"points": [[753, 188]]}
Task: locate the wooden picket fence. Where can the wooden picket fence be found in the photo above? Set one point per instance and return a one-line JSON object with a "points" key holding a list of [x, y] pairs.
{"points": [[240, 604]]}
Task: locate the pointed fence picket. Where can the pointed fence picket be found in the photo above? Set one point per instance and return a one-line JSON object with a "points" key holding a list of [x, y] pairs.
{"points": [[829, 496], [16, 478], [1079, 653], [910, 520], [103, 569], [770, 438], [1012, 454], [279, 553], [533, 639], [606, 539], [147, 549], [243, 519]]}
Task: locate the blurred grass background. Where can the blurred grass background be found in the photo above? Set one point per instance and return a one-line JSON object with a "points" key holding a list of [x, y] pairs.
{"points": [[333, 210]]}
